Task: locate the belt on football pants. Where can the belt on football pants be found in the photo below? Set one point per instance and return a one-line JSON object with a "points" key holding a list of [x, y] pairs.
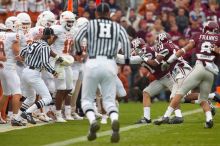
{"points": [[108, 57], [34, 68]]}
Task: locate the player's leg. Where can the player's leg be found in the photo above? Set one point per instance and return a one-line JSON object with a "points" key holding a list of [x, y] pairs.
{"points": [[40, 87], [154, 88], [77, 82], [28, 99], [108, 90], [15, 86], [69, 88], [205, 88], [89, 87], [191, 81]]}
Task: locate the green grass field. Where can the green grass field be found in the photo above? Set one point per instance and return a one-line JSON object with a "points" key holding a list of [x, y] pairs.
{"points": [[190, 133]]}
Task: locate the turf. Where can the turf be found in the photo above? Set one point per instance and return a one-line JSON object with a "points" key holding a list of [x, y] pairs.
{"points": [[190, 133]]}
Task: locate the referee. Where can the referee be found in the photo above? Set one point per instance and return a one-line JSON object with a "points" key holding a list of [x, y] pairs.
{"points": [[103, 37], [36, 56]]}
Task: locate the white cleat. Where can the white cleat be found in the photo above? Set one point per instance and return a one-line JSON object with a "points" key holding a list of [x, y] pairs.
{"points": [[43, 117], [69, 117], [76, 116], [103, 121], [60, 120]]}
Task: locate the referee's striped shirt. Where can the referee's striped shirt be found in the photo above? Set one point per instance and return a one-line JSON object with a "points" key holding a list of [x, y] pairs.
{"points": [[37, 55], [103, 37]]}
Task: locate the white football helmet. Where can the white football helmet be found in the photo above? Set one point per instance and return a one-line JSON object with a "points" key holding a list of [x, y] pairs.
{"points": [[67, 20], [13, 23], [25, 20], [46, 19]]}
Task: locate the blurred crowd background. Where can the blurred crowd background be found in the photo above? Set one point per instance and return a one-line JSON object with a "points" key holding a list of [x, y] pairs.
{"points": [[141, 18]]}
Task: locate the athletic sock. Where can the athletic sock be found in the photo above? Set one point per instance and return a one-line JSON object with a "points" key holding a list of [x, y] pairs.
{"points": [[113, 116], [147, 112], [178, 113], [91, 116], [208, 116], [32, 108], [169, 111]]}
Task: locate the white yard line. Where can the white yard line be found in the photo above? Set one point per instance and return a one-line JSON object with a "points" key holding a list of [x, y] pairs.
{"points": [[105, 133]]}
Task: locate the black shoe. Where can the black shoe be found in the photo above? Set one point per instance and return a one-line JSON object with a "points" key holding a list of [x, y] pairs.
{"points": [[94, 127], [28, 117], [213, 111], [163, 120], [216, 97], [176, 120], [17, 123], [143, 121], [209, 124], [115, 131]]}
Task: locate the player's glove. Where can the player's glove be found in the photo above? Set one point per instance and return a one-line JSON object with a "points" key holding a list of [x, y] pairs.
{"points": [[60, 60], [55, 74]]}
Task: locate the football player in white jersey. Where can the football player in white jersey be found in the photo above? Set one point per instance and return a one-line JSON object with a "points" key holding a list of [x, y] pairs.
{"points": [[45, 19], [2, 57], [77, 68], [63, 45], [9, 77], [24, 36]]}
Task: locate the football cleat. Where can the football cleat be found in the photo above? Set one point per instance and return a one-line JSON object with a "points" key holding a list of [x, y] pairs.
{"points": [[209, 124], [216, 97], [60, 120], [176, 120], [69, 117], [115, 131], [29, 117], [213, 111], [2, 121], [163, 120], [76, 116], [43, 117], [17, 123], [94, 127], [143, 121]]}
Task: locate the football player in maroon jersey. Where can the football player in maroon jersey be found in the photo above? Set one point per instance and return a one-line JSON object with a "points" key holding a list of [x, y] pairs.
{"points": [[207, 45]]}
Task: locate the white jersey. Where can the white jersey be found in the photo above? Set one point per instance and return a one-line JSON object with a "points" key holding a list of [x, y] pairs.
{"points": [[35, 33], [10, 38], [22, 39], [64, 41]]}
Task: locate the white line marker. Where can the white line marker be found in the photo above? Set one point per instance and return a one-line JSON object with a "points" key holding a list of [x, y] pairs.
{"points": [[106, 133]]}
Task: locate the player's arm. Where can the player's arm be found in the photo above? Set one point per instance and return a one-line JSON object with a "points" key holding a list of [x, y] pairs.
{"points": [[16, 47], [124, 39], [181, 52], [133, 59], [216, 49], [154, 62], [79, 37], [2, 54]]}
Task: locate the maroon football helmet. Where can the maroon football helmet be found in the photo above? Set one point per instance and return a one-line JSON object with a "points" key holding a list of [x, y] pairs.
{"points": [[163, 37], [138, 43], [211, 27]]}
